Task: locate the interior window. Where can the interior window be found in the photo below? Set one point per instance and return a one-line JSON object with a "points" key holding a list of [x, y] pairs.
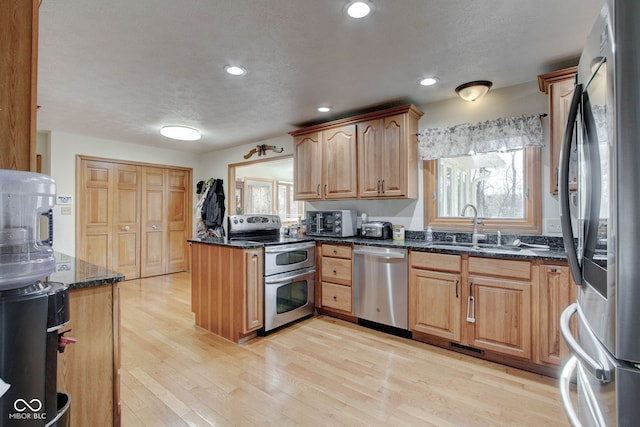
{"points": [[504, 186]]}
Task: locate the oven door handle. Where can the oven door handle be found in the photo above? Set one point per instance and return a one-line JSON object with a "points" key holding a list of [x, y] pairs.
{"points": [[284, 278], [289, 247]]}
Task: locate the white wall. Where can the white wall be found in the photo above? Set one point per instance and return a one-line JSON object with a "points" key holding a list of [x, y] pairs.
{"points": [[63, 148], [214, 164]]}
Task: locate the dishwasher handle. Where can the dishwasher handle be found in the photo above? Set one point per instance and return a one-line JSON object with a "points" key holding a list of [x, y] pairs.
{"points": [[380, 254]]}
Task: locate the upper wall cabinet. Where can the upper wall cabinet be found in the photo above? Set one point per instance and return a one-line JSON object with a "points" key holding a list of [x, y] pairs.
{"points": [[367, 156], [325, 164], [559, 86]]}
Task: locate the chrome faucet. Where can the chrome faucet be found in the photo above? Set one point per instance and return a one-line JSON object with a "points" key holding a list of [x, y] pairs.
{"points": [[474, 236]]}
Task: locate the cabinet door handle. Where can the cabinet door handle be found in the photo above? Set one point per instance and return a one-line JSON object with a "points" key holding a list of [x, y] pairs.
{"points": [[554, 270], [125, 228], [335, 251], [383, 186], [155, 227], [457, 283], [318, 190], [325, 189], [335, 298], [334, 272], [378, 186]]}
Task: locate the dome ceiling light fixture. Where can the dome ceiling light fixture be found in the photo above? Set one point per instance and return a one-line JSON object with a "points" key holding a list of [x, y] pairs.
{"points": [[359, 9], [181, 133], [235, 70], [473, 90], [324, 108]]}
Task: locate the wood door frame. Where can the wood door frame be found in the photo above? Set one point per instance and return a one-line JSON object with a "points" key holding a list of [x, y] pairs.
{"points": [[231, 172], [78, 211]]}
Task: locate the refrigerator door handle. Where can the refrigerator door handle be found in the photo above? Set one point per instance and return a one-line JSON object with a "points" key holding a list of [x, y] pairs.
{"points": [[563, 188], [565, 390], [593, 366]]}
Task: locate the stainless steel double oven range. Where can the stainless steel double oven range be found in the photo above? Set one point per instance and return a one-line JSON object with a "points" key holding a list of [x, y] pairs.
{"points": [[289, 268]]}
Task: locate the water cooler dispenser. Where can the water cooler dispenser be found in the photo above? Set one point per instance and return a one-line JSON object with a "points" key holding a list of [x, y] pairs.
{"points": [[33, 312]]}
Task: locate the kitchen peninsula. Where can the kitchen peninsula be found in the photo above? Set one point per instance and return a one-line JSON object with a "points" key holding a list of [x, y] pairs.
{"points": [[89, 369]]}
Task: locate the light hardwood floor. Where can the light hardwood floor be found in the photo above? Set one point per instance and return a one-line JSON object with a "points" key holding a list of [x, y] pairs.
{"points": [[318, 372]]}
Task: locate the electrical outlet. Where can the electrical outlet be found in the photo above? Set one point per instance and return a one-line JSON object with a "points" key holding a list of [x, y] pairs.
{"points": [[553, 226], [65, 210]]}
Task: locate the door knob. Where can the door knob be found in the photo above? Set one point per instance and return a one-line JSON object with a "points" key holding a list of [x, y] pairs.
{"points": [[155, 227], [125, 228]]}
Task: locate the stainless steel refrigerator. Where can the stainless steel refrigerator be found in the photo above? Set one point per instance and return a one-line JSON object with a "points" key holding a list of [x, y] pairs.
{"points": [[601, 223]]}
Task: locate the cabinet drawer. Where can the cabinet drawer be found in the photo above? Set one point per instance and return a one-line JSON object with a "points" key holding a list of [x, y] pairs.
{"points": [[338, 251], [432, 261], [336, 296], [336, 270], [500, 267]]}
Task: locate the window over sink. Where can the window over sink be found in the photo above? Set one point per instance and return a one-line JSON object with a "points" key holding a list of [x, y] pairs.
{"points": [[493, 165], [504, 186]]}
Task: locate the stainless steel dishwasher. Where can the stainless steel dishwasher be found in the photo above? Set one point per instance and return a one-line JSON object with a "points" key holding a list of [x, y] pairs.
{"points": [[380, 292]]}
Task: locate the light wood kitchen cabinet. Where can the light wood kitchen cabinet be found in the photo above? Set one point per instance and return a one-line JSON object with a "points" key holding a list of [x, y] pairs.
{"points": [[559, 86], [336, 277], [434, 294], [133, 218], [18, 84], [227, 292], [307, 152], [498, 308], [253, 291], [556, 290], [388, 156], [366, 156], [89, 370], [325, 164]]}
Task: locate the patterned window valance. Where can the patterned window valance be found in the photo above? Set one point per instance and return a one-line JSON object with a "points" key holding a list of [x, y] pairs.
{"points": [[484, 137]]}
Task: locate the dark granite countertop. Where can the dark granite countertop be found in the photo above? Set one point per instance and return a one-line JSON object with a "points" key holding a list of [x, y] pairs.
{"points": [[77, 273], [506, 251], [249, 244], [555, 253]]}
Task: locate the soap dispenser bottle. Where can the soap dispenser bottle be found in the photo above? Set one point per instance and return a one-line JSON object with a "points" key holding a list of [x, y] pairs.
{"points": [[428, 235]]}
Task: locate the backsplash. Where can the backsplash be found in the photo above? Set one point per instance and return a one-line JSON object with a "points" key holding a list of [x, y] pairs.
{"points": [[506, 239]]}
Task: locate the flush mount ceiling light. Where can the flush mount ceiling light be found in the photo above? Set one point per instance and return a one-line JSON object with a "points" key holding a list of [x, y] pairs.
{"points": [[181, 133], [324, 109], [359, 9], [235, 70], [473, 90], [428, 81]]}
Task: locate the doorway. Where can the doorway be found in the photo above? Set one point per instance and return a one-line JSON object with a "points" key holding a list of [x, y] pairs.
{"points": [[264, 186]]}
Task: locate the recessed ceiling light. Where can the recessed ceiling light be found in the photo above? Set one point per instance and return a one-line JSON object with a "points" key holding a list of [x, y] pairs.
{"points": [[235, 70], [324, 109], [181, 133], [359, 9], [428, 81]]}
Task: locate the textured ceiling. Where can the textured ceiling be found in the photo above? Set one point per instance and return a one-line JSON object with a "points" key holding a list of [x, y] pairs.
{"points": [[121, 69]]}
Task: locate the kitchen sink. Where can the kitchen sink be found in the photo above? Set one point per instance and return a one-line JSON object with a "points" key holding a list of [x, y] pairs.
{"points": [[483, 247]]}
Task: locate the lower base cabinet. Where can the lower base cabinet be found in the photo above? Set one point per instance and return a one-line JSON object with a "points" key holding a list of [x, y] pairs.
{"points": [[336, 279], [556, 291], [89, 371], [502, 309], [434, 296], [227, 291]]}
